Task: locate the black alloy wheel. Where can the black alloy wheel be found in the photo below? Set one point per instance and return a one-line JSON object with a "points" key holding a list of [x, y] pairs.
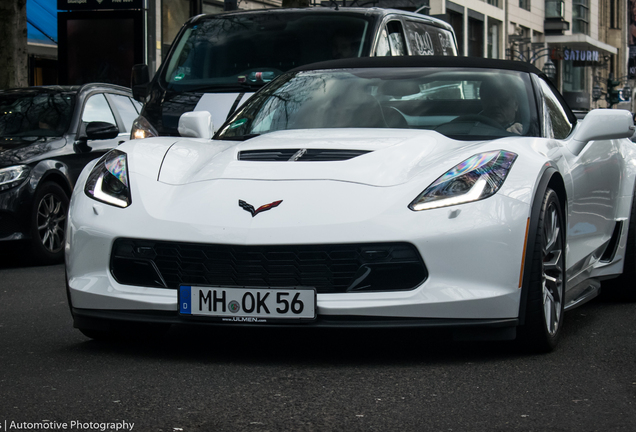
{"points": [[48, 224]]}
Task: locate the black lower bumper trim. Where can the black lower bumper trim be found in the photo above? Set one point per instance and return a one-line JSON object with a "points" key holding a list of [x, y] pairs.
{"points": [[101, 319]]}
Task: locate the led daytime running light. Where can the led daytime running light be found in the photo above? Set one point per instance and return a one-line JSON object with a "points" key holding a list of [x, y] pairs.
{"points": [[476, 178], [108, 181], [473, 195]]}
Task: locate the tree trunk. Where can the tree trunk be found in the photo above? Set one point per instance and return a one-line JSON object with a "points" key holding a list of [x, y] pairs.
{"points": [[13, 49], [295, 3]]}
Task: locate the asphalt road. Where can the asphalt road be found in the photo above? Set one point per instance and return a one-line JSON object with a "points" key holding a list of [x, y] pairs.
{"points": [[211, 379]]}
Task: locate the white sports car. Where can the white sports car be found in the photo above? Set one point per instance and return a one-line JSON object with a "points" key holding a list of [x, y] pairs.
{"points": [[442, 192]]}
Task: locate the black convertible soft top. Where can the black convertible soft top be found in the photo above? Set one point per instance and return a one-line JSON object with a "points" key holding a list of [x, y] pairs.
{"points": [[421, 61]]}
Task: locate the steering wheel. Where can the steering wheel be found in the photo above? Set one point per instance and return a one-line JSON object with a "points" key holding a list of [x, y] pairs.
{"points": [[477, 118]]}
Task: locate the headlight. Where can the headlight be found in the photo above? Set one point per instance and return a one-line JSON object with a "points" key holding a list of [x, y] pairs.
{"points": [[141, 128], [476, 178], [108, 181], [13, 176]]}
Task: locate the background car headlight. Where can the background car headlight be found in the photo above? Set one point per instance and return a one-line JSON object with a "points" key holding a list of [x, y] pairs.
{"points": [[141, 128], [108, 181], [12, 176], [476, 178]]}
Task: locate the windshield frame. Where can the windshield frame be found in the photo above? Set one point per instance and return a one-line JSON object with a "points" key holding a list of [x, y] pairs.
{"points": [[247, 118]]}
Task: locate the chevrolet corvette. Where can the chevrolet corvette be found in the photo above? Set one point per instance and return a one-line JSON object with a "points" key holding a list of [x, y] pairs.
{"points": [[443, 192]]}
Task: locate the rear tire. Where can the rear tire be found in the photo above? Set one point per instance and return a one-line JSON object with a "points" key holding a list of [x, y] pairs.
{"points": [[48, 224], [545, 289]]}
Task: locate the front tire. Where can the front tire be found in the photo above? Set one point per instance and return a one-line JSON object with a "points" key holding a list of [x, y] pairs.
{"points": [[48, 224], [546, 287]]}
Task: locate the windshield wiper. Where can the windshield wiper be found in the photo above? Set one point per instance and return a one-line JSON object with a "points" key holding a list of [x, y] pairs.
{"points": [[238, 137], [238, 87]]}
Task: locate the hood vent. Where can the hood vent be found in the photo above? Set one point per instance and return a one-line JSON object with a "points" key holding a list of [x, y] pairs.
{"points": [[299, 155]]}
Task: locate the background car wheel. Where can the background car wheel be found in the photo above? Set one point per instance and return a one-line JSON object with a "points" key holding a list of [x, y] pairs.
{"points": [[545, 290], [624, 287], [48, 224]]}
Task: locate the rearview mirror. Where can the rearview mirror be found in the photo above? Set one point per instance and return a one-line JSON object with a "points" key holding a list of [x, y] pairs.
{"points": [[601, 124], [196, 124], [101, 130]]}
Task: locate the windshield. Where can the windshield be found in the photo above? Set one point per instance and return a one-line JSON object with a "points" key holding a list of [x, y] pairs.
{"points": [[35, 113], [465, 104], [243, 50]]}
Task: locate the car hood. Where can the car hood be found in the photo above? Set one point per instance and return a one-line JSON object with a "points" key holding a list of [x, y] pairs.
{"points": [[22, 150], [380, 157]]}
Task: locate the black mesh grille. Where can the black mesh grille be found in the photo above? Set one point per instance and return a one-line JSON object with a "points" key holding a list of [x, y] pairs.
{"points": [[329, 268], [309, 155]]}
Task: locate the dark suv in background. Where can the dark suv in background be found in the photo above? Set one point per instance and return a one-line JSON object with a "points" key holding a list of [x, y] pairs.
{"points": [[217, 61], [47, 135]]}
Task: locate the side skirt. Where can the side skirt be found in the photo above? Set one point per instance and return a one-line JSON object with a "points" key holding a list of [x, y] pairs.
{"points": [[582, 293]]}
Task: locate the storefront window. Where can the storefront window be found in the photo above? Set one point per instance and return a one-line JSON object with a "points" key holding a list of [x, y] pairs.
{"points": [[174, 14], [212, 7], [475, 38], [574, 77], [580, 16], [494, 29], [456, 20]]}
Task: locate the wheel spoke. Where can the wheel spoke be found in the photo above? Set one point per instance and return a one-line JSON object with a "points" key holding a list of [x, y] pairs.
{"points": [[57, 207], [47, 233], [551, 230], [51, 241]]}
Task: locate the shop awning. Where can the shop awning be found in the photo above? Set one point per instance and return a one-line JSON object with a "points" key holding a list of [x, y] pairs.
{"points": [[42, 22], [580, 42]]}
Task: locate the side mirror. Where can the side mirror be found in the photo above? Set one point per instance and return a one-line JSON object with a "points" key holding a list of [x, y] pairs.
{"points": [[196, 124], [139, 82], [601, 124], [101, 131]]}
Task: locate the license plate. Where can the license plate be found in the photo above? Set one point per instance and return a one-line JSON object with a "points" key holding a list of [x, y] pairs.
{"points": [[247, 304]]}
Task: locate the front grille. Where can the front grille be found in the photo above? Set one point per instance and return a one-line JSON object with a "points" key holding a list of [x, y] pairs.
{"points": [[335, 268], [299, 155]]}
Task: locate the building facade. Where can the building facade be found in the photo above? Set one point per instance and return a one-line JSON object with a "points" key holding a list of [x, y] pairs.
{"points": [[586, 41], [581, 42]]}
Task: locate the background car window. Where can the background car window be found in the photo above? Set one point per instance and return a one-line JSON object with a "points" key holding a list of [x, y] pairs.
{"points": [[427, 40], [396, 38], [557, 123], [97, 109], [382, 49], [391, 41], [126, 109], [35, 112]]}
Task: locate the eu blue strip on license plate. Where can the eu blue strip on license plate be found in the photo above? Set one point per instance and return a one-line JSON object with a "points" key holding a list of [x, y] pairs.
{"points": [[184, 300]]}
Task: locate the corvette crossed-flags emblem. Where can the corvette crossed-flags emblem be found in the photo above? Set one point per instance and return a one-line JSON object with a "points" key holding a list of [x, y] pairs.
{"points": [[250, 208]]}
